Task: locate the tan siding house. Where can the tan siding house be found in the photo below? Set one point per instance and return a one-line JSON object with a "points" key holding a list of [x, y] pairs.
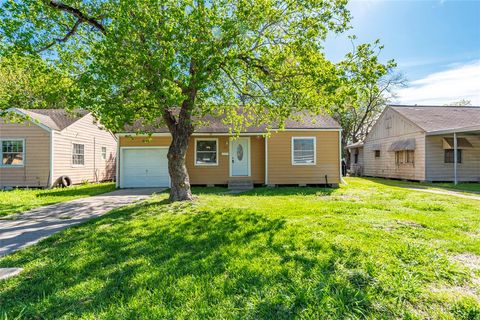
{"points": [[303, 154], [39, 151], [411, 142]]}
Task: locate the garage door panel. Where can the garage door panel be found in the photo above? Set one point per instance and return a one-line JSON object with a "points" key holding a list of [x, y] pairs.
{"points": [[144, 167]]}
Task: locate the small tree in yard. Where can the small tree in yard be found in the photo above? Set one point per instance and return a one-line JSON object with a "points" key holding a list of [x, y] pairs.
{"points": [[179, 60], [373, 85]]}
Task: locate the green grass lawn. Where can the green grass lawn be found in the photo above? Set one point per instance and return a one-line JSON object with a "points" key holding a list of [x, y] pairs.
{"points": [[19, 200], [467, 188], [366, 250]]}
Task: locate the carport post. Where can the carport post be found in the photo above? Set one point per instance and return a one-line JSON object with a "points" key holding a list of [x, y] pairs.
{"points": [[455, 157]]}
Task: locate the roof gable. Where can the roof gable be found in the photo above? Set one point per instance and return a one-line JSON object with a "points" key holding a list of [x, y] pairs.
{"points": [[55, 119]]}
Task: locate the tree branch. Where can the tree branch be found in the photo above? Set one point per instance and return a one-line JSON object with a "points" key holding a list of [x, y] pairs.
{"points": [[81, 17], [65, 38]]}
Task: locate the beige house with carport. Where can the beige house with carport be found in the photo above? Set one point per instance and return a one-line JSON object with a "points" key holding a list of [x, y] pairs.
{"points": [[52, 143], [307, 152], [423, 143]]}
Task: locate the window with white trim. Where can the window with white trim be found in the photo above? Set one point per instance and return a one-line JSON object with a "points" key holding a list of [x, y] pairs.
{"points": [[12, 152], [303, 151], [104, 153], [78, 154], [206, 152]]}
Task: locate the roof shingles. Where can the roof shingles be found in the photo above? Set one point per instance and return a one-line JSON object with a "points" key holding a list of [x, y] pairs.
{"points": [[216, 125], [56, 119], [436, 118]]}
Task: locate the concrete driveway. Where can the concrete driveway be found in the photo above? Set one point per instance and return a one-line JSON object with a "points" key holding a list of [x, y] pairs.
{"points": [[21, 230]]}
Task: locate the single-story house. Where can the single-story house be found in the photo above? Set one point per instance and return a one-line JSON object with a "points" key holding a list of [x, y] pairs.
{"points": [[53, 143], [356, 158], [423, 143], [307, 152]]}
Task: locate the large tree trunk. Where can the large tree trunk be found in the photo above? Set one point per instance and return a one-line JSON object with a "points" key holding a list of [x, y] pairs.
{"points": [[180, 182]]}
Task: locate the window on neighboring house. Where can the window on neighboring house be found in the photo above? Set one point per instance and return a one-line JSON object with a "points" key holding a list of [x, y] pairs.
{"points": [[303, 151], [104, 153], [399, 157], [449, 156], [377, 153], [356, 157], [12, 152], [206, 152], [410, 156], [78, 154]]}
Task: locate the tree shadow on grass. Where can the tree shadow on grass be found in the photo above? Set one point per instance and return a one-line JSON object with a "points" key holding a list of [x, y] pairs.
{"points": [[77, 191], [266, 191], [141, 263]]}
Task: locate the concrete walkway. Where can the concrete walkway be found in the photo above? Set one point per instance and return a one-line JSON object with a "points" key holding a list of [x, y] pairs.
{"points": [[446, 192], [21, 230]]}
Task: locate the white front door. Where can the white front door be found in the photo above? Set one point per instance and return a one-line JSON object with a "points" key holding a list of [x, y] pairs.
{"points": [[144, 167], [240, 157]]}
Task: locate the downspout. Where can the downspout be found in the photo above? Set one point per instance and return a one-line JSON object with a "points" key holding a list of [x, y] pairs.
{"points": [[455, 158], [266, 160], [117, 162], [94, 162], [52, 160], [340, 156]]}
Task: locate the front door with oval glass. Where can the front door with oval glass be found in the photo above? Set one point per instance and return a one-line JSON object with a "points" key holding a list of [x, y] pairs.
{"points": [[240, 157]]}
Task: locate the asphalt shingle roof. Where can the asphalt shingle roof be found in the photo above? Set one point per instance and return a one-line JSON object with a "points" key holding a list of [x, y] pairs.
{"points": [[216, 125], [56, 119], [435, 118]]}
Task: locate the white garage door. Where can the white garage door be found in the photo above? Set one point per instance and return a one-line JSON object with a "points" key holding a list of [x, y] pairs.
{"points": [[144, 167]]}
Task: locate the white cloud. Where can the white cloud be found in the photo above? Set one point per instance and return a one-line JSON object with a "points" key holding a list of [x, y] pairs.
{"points": [[456, 83]]}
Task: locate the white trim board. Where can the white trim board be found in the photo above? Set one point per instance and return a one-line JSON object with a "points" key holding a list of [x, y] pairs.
{"points": [[314, 138], [195, 153], [24, 148]]}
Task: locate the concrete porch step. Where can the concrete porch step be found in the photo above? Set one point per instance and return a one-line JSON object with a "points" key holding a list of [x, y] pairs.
{"points": [[240, 185]]}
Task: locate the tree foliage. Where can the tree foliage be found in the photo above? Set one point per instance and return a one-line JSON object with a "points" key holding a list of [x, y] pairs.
{"points": [[372, 86], [28, 82], [249, 62]]}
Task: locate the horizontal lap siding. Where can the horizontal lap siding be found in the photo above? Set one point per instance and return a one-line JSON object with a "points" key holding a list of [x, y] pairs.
{"points": [[36, 170], [391, 127], [218, 174], [385, 165], [437, 170], [281, 170], [85, 132]]}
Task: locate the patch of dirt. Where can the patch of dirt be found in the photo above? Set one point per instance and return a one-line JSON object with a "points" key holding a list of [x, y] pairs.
{"points": [[457, 292], [469, 260], [340, 197], [411, 224]]}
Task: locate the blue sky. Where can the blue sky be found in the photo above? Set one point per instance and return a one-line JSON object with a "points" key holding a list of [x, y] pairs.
{"points": [[436, 44]]}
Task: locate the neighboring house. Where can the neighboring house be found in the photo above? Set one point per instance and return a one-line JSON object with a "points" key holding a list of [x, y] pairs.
{"points": [[419, 143], [356, 158], [53, 143], [305, 153]]}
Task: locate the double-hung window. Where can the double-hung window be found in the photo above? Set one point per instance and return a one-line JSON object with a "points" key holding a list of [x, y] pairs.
{"points": [[104, 153], [12, 152], [206, 152], [304, 151], [78, 154]]}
